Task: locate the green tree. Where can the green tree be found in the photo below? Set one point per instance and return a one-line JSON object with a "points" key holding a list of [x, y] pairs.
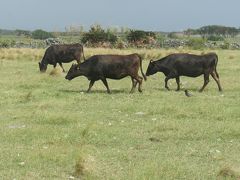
{"points": [[215, 30], [40, 34], [190, 32], [172, 35], [97, 34], [196, 43], [136, 35], [140, 36], [20, 32]]}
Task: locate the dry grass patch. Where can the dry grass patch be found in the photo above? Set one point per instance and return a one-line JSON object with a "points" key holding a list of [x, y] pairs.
{"points": [[55, 72], [232, 172], [231, 57]]}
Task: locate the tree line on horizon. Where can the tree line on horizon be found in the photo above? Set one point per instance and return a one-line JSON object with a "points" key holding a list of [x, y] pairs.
{"points": [[204, 31], [216, 30], [98, 36]]}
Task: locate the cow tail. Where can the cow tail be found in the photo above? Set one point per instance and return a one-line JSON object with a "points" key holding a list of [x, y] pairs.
{"points": [[215, 67], [83, 54], [144, 76]]}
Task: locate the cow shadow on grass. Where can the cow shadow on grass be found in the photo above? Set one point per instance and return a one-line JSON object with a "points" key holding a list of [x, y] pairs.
{"points": [[114, 91], [175, 90]]}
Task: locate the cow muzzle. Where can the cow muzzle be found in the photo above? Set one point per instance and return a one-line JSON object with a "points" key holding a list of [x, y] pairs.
{"points": [[68, 78]]}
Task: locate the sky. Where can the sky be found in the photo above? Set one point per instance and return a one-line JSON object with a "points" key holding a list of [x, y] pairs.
{"points": [[152, 15]]}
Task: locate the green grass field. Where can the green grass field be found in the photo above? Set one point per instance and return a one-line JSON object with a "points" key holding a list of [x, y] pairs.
{"points": [[52, 129]]}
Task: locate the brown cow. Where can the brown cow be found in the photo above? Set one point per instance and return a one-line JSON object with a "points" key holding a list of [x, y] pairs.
{"points": [[176, 65], [62, 53], [100, 67]]}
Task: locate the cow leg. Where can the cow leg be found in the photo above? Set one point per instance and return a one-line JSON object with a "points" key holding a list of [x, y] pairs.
{"points": [[134, 84], [166, 83], [78, 60], [216, 78], [61, 66], [106, 85], [54, 66], [90, 85], [139, 81], [206, 81], [178, 83], [140, 84], [170, 76]]}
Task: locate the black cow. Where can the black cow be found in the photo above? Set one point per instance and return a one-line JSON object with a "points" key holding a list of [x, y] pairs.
{"points": [[100, 67], [62, 53], [176, 65]]}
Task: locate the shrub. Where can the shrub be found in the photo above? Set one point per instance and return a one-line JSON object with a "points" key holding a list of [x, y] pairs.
{"points": [[20, 32], [225, 45], [172, 35], [40, 34], [160, 39], [7, 43], [120, 44], [111, 37], [196, 43], [98, 35], [215, 38], [138, 37]]}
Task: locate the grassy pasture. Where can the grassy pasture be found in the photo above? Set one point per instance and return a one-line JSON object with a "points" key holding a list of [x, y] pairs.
{"points": [[52, 129]]}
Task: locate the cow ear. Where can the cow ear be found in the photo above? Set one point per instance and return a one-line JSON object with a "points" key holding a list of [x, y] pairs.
{"points": [[151, 61]]}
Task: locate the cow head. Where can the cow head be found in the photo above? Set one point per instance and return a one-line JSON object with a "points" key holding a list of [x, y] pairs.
{"points": [[73, 72], [152, 68], [42, 67]]}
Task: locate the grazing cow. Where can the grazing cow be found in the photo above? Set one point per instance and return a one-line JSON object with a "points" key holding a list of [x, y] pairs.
{"points": [[176, 65], [63, 53], [100, 67]]}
